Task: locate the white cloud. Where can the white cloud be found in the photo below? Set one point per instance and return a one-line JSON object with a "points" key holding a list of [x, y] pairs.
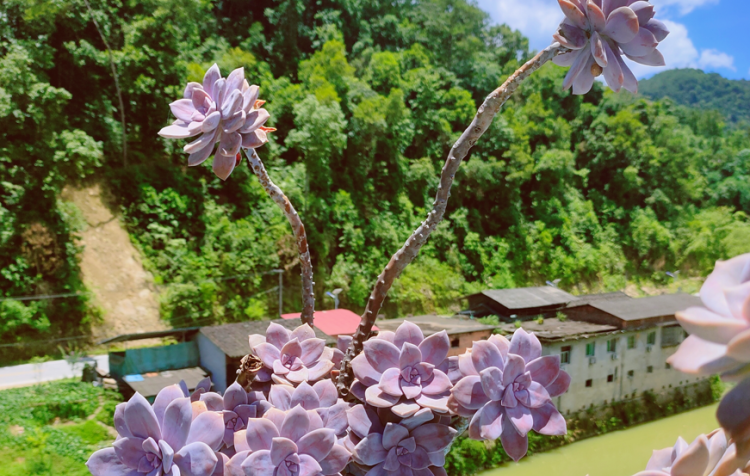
{"points": [[683, 7], [716, 59], [537, 19]]}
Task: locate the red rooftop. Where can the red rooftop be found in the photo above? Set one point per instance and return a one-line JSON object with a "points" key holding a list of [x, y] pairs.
{"points": [[333, 322]]}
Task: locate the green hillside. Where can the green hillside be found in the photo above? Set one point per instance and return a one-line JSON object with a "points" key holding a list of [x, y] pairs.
{"points": [[367, 96], [693, 87]]}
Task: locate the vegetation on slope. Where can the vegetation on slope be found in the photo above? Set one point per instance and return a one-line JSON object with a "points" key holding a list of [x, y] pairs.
{"points": [[367, 97], [706, 91]]}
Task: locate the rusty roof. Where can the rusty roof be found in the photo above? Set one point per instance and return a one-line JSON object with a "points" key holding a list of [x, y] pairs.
{"points": [[232, 339], [525, 298], [554, 329], [647, 307]]}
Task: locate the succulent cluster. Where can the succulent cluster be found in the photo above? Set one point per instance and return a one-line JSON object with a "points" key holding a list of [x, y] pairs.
{"points": [[223, 110], [599, 32], [707, 455], [291, 357]]}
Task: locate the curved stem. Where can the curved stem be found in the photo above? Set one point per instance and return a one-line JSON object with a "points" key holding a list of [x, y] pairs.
{"points": [[408, 252], [273, 191]]}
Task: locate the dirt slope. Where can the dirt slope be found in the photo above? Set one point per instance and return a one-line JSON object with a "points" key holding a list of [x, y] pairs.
{"points": [[112, 269]]}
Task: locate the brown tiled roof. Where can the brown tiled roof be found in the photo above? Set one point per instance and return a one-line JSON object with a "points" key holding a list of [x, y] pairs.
{"points": [[647, 307], [553, 329], [232, 339], [524, 298], [152, 383], [430, 324], [592, 298]]}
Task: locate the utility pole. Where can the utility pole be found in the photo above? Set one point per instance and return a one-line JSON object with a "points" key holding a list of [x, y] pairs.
{"points": [[280, 272]]}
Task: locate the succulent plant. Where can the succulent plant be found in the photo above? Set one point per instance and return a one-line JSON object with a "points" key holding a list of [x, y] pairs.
{"points": [[706, 455], [222, 110], [507, 391], [321, 398], [289, 443], [399, 371], [291, 357], [398, 450], [342, 344], [719, 340], [163, 439], [599, 32], [203, 386]]}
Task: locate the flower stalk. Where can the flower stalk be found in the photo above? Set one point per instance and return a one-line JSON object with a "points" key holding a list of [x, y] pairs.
{"points": [[398, 262], [300, 236]]}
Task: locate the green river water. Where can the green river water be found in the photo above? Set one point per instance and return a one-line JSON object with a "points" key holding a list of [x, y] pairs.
{"points": [[621, 453]]}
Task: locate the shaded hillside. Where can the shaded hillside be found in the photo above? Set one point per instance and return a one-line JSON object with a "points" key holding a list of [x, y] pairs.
{"points": [[693, 87]]}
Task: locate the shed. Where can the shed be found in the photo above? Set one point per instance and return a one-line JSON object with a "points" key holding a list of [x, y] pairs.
{"points": [[461, 330], [519, 303], [629, 313], [334, 322], [222, 347]]}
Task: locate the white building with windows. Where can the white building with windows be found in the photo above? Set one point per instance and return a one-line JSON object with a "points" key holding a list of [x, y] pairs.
{"points": [[614, 347]]}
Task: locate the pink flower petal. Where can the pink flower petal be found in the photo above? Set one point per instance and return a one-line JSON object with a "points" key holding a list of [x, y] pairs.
{"points": [[422, 416], [469, 393], [433, 402], [514, 444], [259, 464], [484, 355], [585, 80], [622, 25], [435, 348], [130, 451], [182, 109], [393, 434], [726, 274], [570, 36], [739, 347], [268, 353], [566, 59], [514, 367], [208, 428], [526, 345], [180, 131], [327, 393], [659, 29], [141, 419], [235, 395], [196, 459], [491, 418], [660, 459], [212, 75], [410, 355], [597, 50], [439, 384], [734, 412], [319, 370], [408, 332], [643, 44], [491, 381], [696, 456], [280, 396], [596, 16], [296, 424], [709, 326], [544, 369], [165, 396], [574, 14], [380, 399], [303, 333], [177, 422], [260, 433], [370, 450], [433, 436], [405, 409], [235, 79], [335, 461], [579, 63], [390, 382], [305, 396], [381, 355], [312, 349], [521, 418], [700, 357], [365, 372], [281, 448], [548, 421], [559, 385], [417, 459], [643, 10], [609, 6], [630, 83]]}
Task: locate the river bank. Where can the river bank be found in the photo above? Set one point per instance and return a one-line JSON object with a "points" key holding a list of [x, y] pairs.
{"points": [[620, 453]]}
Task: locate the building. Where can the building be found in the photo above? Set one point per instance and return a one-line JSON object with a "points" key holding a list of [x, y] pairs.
{"points": [[222, 347], [462, 331], [334, 322], [614, 347], [518, 303]]}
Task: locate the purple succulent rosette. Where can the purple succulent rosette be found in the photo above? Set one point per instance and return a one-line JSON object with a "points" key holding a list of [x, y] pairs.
{"points": [[399, 371], [599, 32], [291, 357], [507, 391], [321, 397], [236, 407], [222, 110], [291, 443], [342, 344], [204, 386], [400, 450], [161, 440]]}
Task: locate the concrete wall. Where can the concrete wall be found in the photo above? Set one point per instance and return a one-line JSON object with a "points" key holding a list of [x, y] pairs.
{"points": [[213, 360], [622, 386], [465, 341]]}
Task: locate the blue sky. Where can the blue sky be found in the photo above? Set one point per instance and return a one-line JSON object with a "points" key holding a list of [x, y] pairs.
{"points": [[706, 34]]}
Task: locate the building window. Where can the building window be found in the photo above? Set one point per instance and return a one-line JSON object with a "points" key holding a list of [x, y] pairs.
{"points": [[590, 348], [454, 342], [667, 366], [565, 354], [631, 342], [650, 369], [610, 378], [631, 373], [651, 338], [589, 382], [671, 336], [612, 345]]}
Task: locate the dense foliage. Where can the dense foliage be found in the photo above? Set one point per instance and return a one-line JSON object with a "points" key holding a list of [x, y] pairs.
{"points": [[367, 98], [708, 91]]}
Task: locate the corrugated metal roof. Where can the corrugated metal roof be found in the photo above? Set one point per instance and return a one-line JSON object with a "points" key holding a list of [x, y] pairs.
{"points": [[430, 324], [524, 298], [333, 322], [591, 298], [232, 339], [647, 307]]}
